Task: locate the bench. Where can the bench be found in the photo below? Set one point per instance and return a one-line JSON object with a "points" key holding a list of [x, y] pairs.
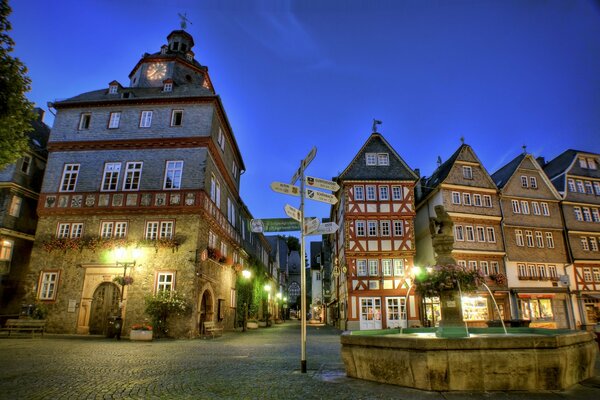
{"points": [[25, 325], [211, 328]]}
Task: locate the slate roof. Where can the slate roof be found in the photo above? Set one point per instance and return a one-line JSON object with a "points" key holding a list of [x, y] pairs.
{"points": [[439, 175], [502, 176], [561, 163], [358, 170]]}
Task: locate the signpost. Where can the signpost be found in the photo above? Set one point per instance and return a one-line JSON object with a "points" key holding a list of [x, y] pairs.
{"points": [[285, 188], [325, 228], [321, 196], [322, 183], [274, 225], [293, 212], [310, 225]]}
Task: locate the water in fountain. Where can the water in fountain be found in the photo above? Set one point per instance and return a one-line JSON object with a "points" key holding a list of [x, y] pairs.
{"points": [[497, 308]]}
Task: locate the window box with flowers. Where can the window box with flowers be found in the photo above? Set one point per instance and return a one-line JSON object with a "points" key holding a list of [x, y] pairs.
{"points": [[141, 332]]}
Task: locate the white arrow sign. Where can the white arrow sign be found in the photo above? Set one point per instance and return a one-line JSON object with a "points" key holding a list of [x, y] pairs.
{"points": [[293, 212], [322, 183], [311, 155], [284, 188], [310, 225], [321, 196], [325, 228]]}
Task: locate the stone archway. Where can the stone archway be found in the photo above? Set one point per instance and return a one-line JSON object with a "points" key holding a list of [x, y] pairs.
{"points": [[105, 303], [206, 306]]}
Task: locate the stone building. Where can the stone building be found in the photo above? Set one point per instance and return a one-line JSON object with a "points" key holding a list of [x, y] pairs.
{"points": [[576, 177], [463, 186], [374, 246], [152, 166], [20, 185], [536, 253]]}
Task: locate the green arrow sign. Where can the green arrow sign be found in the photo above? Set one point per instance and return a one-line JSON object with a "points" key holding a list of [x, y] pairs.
{"points": [[275, 225]]}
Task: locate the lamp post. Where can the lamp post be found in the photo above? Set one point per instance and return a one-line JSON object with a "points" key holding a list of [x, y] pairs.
{"points": [[246, 274], [121, 259]]}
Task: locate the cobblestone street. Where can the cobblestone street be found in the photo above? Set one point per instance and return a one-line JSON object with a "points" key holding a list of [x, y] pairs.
{"points": [[258, 364]]}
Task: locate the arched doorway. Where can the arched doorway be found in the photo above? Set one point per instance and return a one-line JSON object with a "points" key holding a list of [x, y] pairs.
{"points": [[105, 303], [206, 310]]}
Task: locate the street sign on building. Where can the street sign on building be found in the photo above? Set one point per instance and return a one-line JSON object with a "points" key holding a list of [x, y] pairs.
{"points": [[325, 228], [322, 183], [293, 212], [285, 188], [321, 196]]}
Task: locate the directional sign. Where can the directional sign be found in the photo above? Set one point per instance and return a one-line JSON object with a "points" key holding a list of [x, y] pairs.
{"points": [[296, 176], [311, 155], [293, 212], [321, 196], [322, 183], [284, 188], [325, 228], [274, 225], [310, 224]]}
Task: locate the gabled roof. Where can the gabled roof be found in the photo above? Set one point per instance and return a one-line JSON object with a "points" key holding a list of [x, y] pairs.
{"points": [[557, 168], [502, 176], [359, 170], [560, 163]]}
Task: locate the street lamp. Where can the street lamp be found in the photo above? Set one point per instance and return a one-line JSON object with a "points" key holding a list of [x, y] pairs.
{"points": [[125, 259], [246, 274]]}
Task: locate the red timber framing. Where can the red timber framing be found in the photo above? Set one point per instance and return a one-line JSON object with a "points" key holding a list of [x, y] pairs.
{"points": [[587, 276]]}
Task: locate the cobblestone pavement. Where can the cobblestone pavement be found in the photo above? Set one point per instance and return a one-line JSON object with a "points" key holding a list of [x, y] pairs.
{"points": [[258, 364]]}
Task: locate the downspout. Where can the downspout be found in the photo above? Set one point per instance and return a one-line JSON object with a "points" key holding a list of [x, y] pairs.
{"points": [[513, 305]]}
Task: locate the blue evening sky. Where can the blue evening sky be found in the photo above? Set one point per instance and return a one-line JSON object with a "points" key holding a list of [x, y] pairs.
{"points": [[297, 74]]}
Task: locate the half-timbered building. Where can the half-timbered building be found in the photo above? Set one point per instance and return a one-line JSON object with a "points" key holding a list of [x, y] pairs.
{"points": [[536, 253], [374, 246]]}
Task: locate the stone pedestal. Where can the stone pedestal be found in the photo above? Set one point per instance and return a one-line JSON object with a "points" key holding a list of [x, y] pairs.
{"points": [[452, 324]]}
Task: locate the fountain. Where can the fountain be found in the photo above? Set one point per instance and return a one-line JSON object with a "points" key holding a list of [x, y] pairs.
{"points": [[453, 357]]}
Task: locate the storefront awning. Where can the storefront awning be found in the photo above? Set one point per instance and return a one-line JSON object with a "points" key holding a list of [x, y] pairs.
{"points": [[535, 295]]}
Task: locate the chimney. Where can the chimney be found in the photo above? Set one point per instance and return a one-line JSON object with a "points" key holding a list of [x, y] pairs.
{"points": [[541, 160], [40, 113], [418, 172]]}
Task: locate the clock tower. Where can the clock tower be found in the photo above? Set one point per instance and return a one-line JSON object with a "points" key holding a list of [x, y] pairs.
{"points": [[175, 62]]}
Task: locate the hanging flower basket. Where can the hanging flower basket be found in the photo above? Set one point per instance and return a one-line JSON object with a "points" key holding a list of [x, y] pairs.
{"points": [[499, 279], [447, 277], [123, 280]]}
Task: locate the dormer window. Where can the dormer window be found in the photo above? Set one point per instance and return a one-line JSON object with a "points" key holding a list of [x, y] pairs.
{"points": [[183, 47], [189, 56], [163, 49], [113, 89], [175, 46], [168, 87]]}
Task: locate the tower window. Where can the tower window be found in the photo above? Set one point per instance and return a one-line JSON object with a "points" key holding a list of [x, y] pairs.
{"points": [[175, 46], [113, 89], [168, 87], [176, 117]]}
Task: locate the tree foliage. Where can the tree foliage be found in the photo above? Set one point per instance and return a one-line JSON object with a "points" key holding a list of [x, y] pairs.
{"points": [[162, 305], [16, 112], [293, 244]]}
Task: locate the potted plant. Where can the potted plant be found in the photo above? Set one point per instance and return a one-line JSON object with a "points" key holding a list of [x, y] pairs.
{"points": [[162, 305], [141, 332], [252, 323]]}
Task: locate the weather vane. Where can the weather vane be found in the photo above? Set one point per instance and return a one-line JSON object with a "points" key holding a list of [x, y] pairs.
{"points": [[462, 140], [524, 149], [184, 20], [375, 123]]}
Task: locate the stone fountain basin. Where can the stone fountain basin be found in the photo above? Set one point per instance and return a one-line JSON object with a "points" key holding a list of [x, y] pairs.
{"points": [[525, 359]]}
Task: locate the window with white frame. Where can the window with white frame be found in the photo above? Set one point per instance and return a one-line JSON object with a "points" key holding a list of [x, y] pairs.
{"points": [[371, 158], [587, 215], [487, 200], [542, 271], [360, 228], [467, 199], [539, 239], [165, 281], [25, 164], [71, 230], [110, 178], [69, 177], [15, 206], [371, 194], [176, 117], [120, 230], [383, 159], [535, 208], [384, 193], [529, 238], [545, 209], [480, 234], [591, 163], [462, 264], [6, 249], [114, 119], [385, 228], [522, 270], [113, 89], [470, 233], [386, 267], [516, 208], [166, 229], [359, 192], [398, 228], [234, 169], [473, 265], [595, 215], [459, 232], [597, 188], [485, 267], [398, 267], [577, 212], [84, 121], [532, 270], [221, 139], [491, 234], [587, 274], [48, 285], [224, 249], [524, 181], [361, 267], [133, 174], [524, 207], [212, 240], [372, 228], [231, 212], [519, 237], [495, 267], [533, 182], [477, 200], [373, 267], [593, 244], [580, 187], [549, 240], [173, 173], [467, 172], [455, 198], [146, 119], [596, 274], [396, 192], [571, 185], [583, 162], [588, 187], [232, 297], [151, 230], [552, 271]]}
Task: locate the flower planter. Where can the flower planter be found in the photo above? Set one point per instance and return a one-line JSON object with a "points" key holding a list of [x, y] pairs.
{"points": [[262, 324], [252, 325], [139, 335]]}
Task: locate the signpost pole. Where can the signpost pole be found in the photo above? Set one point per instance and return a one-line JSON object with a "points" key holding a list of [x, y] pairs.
{"points": [[302, 274]]}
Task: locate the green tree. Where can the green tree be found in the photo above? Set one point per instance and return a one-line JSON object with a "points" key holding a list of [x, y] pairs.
{"points": [[293, 243], [16, 112], [162, 305]]}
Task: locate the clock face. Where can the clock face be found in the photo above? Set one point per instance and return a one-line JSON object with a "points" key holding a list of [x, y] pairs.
{"points": [[156, 71]]}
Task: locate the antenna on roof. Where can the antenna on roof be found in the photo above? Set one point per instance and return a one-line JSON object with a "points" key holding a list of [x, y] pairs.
{"points": [[524, 149], [375, 123], [462, 140], [184, 20]]}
